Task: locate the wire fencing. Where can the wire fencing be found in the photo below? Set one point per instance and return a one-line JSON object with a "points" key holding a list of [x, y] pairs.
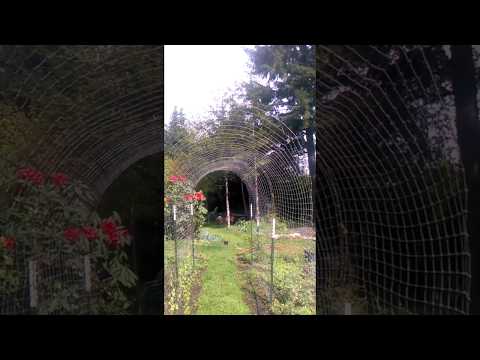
{"points": [[391, 195]]}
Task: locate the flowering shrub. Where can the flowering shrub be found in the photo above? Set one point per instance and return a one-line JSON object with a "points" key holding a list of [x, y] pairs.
{"points": [[179, 192], [48, 223]]}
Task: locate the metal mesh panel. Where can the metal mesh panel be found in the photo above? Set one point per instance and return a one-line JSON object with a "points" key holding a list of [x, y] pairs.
{"points": [[391, 195], [179, 255]]}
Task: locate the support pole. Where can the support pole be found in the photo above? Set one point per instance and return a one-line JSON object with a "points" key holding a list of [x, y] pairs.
{"points": [[228, 205], [348, 309], [257, 212], [193, 236], [32, 274], [174, 233], [251, 228], [88, 277], [468, 130], [272, 258]]}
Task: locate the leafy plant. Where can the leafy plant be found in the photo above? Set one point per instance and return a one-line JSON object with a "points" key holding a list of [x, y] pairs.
{"points": [[49, 224]]}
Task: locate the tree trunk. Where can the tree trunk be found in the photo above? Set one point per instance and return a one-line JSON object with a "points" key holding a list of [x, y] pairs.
{"points": [[468, 130]]}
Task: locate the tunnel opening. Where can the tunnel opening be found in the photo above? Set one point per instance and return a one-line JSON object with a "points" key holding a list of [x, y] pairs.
{"points": [[135, 195], [214, 187]]}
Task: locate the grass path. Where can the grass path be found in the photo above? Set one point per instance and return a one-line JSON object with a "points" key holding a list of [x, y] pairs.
{"points": [[221, 290]]}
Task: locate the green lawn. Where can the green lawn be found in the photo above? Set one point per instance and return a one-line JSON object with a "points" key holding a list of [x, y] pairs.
{"points": [[221, 290]]}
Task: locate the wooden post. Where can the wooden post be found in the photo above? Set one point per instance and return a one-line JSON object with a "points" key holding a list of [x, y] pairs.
{"points": [[176, 246], [272, 258], [251, 229], [228, 205], [88, 277], [193, 237], [257, 212], [348, 309], [32, 273]]}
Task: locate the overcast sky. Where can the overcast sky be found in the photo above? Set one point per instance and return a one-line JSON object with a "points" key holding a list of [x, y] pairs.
{"points": [[196, 76]]}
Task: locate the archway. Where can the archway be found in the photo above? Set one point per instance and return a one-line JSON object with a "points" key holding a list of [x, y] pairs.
{"points": [[214, 187]]}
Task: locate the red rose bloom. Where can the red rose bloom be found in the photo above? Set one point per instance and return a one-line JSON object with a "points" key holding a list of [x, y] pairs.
{"points": [[59, 179], [38, 178], [199, 196], [108, 227], [188, 197], [173, 178], [72, 234], [113, 239], [25, 174], [8, 243], [182, 178], [31, 175], [89, 232]]}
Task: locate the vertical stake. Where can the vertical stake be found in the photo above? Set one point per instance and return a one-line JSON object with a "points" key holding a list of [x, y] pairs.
{"points": [[174, 233], [193, 237], [348, 309], [251, 228], [33, 283], [88, 278], [228, 205], [272, 257]]}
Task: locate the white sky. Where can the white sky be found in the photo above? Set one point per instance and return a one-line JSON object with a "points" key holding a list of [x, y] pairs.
{"points": [[196, 76]]}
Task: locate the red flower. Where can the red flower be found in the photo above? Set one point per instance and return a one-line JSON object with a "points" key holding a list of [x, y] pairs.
{"points": [[188, 197], [25, 173], [34, 176], [38, 178], [175, 178], [199, 196], [89, 232], [72, 234], [113, 239], [59, 179], [8, 243], [108, 227]]}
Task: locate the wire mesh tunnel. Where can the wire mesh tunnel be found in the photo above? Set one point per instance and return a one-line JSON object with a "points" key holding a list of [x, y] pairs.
{"points": [[390, 194], [87, 111], [272, 163]]}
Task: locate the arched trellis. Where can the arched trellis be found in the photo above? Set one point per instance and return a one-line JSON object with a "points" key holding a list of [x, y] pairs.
{"points": [[89, 111], [271, 161], [99, 109], [264, 153]]}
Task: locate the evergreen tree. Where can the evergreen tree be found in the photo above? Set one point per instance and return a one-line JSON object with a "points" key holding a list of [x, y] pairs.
{"points": [[177, 129]]}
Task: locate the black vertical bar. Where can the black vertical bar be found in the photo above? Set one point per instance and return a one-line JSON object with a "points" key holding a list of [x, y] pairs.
{"points": [[468, 131]]}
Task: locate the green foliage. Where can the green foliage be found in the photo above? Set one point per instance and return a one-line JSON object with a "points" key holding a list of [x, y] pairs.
{"points": [[294, 290], [177, 130], [179, 298], [37, 218], [289, 71], [221, 268], [242, 226]]}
